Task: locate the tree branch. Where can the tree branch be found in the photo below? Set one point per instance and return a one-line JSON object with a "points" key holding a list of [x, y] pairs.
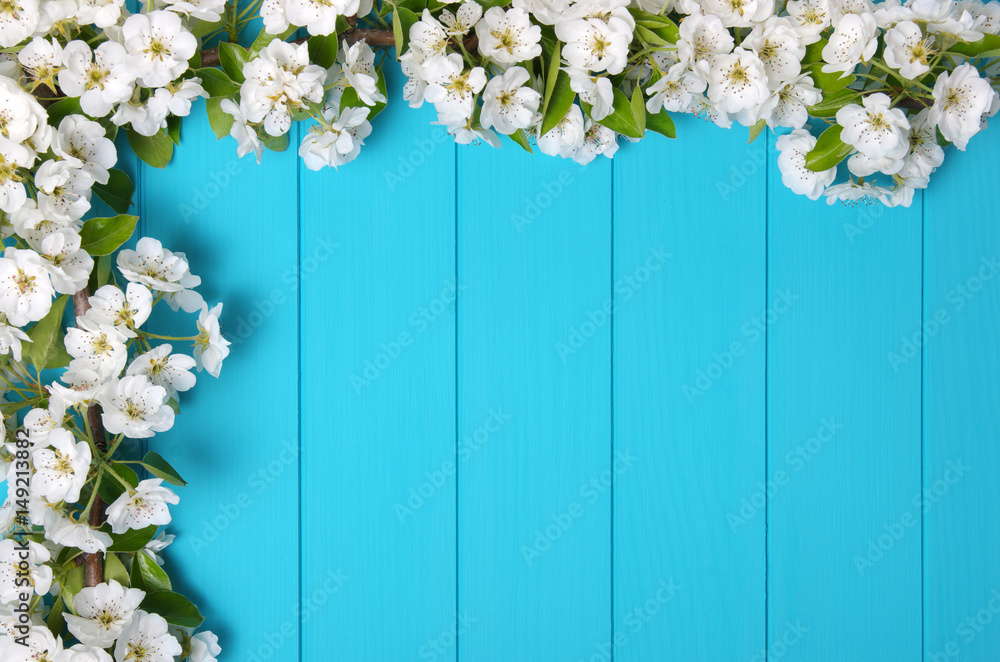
{"points": [[93, 563]]}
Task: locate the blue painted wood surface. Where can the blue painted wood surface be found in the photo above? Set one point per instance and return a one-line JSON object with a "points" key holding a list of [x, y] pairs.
{"points": [[489, 406]]}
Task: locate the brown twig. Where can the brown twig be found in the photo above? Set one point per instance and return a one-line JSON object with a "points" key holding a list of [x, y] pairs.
{"points": [[93, 563]]}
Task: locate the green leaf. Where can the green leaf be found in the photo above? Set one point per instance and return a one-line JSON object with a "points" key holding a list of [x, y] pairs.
{"points": [[101, 275], [639, 110], [829, 151], [559, 103], [323, 49], [46, 349], [103, 236], [154, 578], [233, 57], [987, 47], [132, 540], [621, 119], [833, 102], [174, 129], [216, 82], [661, 123], [814, 52], [174, 608], [110, 489], [402, 20], [551, 76], [117, 193], [71, 585], [521, 138], [756, 129], [829, 82], [265, 38], [62, 108], [275, 143], [156, 150], [161, 468], [114, 569], [56, 622], [220, 121]]}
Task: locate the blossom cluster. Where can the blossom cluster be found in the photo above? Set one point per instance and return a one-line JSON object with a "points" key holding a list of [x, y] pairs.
{"points": [[75, 399]]}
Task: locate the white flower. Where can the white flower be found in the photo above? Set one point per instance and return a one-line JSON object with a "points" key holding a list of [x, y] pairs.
{"points": [[739, 13], [675, 91], [907, 49], [84, 139], [205, 645], [210, 348], [595, 45], [209, 11], [23, 570], [60, 471], [157, 545], [158, 45], [246, 137], [780, 47], [737, 81], [25, 288], [464, 20], [787, 106], [852, 192], [157, 268], [125, 311], [358, 65], [428, 37], [925, 154], [82, 653], [146, 640], [594, 90], [102, 13], [545, 11], [875, 130], [337, 143], [792, 149], [68, 265], [508, 37], [275, 18], [854, 39], [596, 141], [701, 38], [82, 384], [508, 104], [863, 166], [10, 340], [319, 17], [12, 193], [102, 349], [171, 371], [566, 136], [18, 20], [100, 78], [145, 506], [813, 16], [451, 88], [135, 407], [103, 612], [63, 189], [24, 118], [279, 81], [960, 99], [37, 646], [41, 59], [38, 422], [69, 533], [175, 99], [466, 132]]}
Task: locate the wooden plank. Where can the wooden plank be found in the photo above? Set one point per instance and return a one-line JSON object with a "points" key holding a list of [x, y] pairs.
{"points": [[961, 361], [534, 498], [689, 396], [237, 440], [844, 427], [378, 393]]}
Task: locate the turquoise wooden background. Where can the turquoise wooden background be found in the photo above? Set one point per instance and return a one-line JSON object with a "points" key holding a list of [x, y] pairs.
{"points": [[433, 440]]}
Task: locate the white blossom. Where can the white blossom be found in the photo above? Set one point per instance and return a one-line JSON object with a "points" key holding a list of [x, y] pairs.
{"points": [[854, 39], [25, 287], [23, 571], [143, 506], [171, 371], [158, 45], [338, 142], [792, 149], [508, 103], [146, 640], [960, 100], [124, 311], [210, 348], [60, 469], [875, 129], [103, 612], [134, 407], [508, 37]]}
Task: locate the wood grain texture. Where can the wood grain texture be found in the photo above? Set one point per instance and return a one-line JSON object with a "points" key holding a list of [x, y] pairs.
{"points": [[534, 521], [236, 442], [961, 360], [689, 396], [378, 394], [844, 428]]}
